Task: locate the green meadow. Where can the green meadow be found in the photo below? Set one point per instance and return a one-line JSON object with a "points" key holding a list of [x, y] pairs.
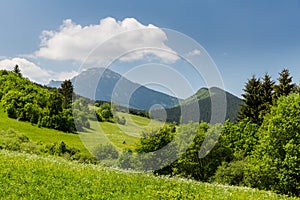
{"points": [[25, 176], [121, 136], [36, 134]]}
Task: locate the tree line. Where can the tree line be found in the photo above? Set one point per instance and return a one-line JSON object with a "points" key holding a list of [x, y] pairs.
{"points": [[261, 93]]}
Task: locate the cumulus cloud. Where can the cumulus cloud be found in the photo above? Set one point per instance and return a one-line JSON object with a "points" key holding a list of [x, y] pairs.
{"points": [[28, 69], [195, 52], [33, 71], [109, 39], [65, 75]]}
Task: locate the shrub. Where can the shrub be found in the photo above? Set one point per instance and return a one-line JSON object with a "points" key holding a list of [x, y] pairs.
{"points": [[106, 151], [154, 139], [120, 120], [84, 158], [104, 113], [127, 160], [230, 173]]}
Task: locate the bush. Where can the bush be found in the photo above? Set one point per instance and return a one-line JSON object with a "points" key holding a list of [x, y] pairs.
{"points": [[60, 149], [106, 151], [127, 160], [84, 158], [154, 139], [230, 173], [120, 120], [104, 113]]}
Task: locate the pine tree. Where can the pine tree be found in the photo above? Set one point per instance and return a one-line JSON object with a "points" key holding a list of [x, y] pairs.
{"points": [[252, 101], [267, 92], [67, 91], [297, 90], [17, 69], [285, 86]]}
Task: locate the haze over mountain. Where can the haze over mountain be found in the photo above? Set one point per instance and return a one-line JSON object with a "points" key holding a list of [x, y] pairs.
{"points": [[107, 85], [188, 109]]}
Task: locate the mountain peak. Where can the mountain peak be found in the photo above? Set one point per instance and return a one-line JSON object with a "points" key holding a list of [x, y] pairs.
{"points": [[203, 98], [107, 85]]}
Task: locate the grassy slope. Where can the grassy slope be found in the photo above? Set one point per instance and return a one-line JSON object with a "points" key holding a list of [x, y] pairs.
{"points": [[104, 132], [25, 176], [36, 177], [36, 134]]}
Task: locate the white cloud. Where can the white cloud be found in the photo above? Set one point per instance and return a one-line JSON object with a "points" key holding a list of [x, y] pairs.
{"points": [[65, 75], [195, 52], [28, 69], [33, 71], [75, 42]]}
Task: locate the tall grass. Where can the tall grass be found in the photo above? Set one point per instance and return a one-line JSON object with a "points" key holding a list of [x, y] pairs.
{"points": [[36, 134], [25, 176], [121, 136]]}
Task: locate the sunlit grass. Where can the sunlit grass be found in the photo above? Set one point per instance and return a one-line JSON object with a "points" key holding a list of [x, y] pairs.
{"points": [[25, 176], [122, 136], [36, 134]]}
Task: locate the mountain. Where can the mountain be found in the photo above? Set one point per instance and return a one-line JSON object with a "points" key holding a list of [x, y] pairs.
{"points": [[107, 85], [203, 98]]}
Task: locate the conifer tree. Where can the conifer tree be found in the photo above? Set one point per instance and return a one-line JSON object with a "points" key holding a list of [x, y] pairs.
{"points": [[285, 86], [252, 101], [297, 90], [17, 69], [267, 92], [67, 92]]}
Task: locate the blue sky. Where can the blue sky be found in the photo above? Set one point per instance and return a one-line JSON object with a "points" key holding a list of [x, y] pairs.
{"points": [[242, 37]]}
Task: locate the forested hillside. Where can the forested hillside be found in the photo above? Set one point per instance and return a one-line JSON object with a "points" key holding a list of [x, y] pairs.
{"points": [[203, 98], [24, 100]]}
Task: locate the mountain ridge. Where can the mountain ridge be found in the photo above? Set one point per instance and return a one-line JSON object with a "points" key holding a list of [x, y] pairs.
{"points": [[107, 85], [203, 111]]}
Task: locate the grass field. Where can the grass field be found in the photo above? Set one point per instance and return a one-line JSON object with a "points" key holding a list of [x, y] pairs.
{"points": [[122, 136], [99, 133], [37, 134], [25, 176]]}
